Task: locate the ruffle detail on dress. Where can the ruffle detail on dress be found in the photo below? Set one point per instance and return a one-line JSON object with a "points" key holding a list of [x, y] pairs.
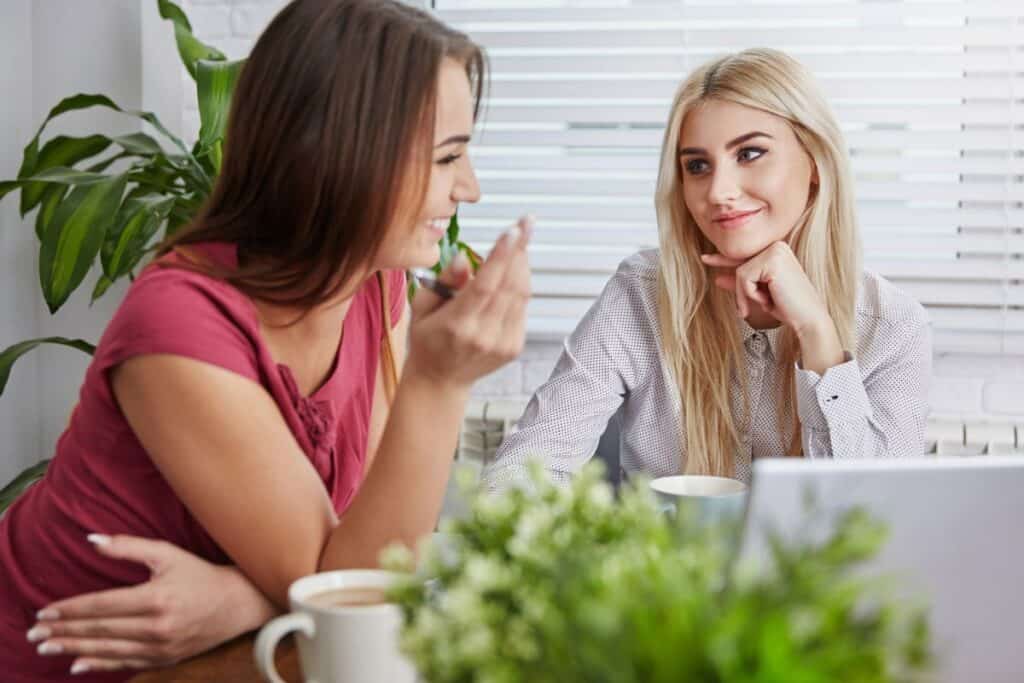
{"points": [[318, 421]]}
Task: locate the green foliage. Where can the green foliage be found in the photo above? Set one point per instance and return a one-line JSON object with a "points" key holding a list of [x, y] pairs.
{"points": [[548, 584], [109, 199]]}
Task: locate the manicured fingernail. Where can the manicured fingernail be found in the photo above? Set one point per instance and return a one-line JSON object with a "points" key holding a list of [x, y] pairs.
{"points": [[48, 614], [513, 234], [79, 668], [38, 633], [49, 648], [460, 262], [98, 539]]}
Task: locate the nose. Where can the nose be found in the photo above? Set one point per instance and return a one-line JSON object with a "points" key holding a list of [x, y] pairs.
{"points": [[466, 188], [724, 186]]}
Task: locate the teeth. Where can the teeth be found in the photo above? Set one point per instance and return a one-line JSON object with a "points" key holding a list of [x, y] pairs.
{"points": [[439, 223]]}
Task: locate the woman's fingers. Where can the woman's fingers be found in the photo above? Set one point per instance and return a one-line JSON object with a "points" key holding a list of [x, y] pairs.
{"points": [[106, 648], [720, 261], [84, 664], [117, 602], [752, 291], [455, 277], [493, 275], [154, 554], [136, 628]]}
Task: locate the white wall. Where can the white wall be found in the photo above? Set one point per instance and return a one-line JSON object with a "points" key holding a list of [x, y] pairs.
{"points": [[54, 48], [20, 434]]}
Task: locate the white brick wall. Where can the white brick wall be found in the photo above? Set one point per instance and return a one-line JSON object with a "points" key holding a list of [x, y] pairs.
{"points": [[965, 387]]}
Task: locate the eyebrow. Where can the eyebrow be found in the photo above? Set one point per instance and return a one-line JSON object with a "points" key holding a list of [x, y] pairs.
{"points": [[460, 139], [732, 143]]}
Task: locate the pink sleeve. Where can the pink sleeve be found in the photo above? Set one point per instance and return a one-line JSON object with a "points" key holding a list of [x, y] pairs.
{"points": [[397, 295], [173, 311]]}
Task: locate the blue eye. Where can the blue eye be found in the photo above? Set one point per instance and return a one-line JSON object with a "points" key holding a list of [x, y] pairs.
{"points": [[751, 153]]}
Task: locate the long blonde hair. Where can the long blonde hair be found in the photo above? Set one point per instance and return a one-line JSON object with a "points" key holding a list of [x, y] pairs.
{"points": [[700, 341]]}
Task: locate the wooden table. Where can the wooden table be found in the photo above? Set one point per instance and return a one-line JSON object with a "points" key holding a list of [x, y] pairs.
{"points": [[232, 662]]}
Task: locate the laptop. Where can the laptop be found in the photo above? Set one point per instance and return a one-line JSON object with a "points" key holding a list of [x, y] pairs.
{"points": [[956, 541]]}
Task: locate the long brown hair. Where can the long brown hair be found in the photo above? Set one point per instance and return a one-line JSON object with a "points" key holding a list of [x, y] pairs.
{"points": [[328, 143]]}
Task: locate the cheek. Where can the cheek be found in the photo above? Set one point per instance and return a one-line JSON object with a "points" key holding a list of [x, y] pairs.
{"points": [[784, 190], [692, 197]]}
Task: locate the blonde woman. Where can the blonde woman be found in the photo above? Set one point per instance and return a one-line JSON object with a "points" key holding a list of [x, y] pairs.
{"points": [[752, 331]]}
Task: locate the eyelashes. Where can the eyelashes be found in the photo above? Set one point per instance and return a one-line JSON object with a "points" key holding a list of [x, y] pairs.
{"points": [[746, 155], [450, 159]]}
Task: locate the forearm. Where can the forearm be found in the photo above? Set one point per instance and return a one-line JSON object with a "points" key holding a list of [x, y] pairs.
{"points": [[401, 498], [251, 608], [842, 418], [820, 347]]}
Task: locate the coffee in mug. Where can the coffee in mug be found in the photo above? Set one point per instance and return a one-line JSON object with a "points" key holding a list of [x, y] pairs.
{"points": [[345, 628], [348, 597]]}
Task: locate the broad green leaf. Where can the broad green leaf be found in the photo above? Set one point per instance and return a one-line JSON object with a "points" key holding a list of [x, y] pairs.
{"points": [[12, 491], [102, 285], [101, 166], [74, 236], [61, 151], [66, 176], [34, 164], [475, 259], [8, 186], [138, 143], [215, 83], [52, 198], [137, 221], [59, 175], [156, 177], [190, 48], [217, 154], [453, 229], [13, 353], [80, 101], [178, 218], [85, 101]]}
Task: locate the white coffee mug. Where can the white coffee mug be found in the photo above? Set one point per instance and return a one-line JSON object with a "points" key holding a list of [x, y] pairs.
{"points": [[347, 643], [710, 499]]}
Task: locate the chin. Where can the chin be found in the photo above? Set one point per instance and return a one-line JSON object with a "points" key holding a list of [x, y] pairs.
{"points": [[740, 249], [424, 257], [419, 257]]}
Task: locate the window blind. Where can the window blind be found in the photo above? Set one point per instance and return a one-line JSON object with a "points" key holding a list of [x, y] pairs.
{"points": [[930, 96]]}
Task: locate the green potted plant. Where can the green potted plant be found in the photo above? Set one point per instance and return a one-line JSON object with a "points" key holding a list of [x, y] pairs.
{"points": [[552, 584], [108, 201]]}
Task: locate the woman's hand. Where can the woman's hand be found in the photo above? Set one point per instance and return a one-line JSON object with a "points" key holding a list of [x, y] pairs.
{"points": [[187, 607], [775, 281], [483, 326]]}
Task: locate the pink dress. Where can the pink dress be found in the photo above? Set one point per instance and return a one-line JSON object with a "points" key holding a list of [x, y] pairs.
{"points": [[102, 480]]}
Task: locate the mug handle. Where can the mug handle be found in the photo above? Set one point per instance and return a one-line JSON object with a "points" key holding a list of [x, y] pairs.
{"points": [[272, 633]]}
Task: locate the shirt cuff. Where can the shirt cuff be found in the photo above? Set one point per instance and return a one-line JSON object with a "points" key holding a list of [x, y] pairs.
{"points": [[837, 396]]}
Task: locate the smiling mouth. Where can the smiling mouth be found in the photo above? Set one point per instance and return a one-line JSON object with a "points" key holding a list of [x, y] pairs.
{"points": [[439, 224], [736, 219]]}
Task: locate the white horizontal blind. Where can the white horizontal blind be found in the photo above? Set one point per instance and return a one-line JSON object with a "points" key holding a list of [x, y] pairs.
{"points": [[930, 96]]}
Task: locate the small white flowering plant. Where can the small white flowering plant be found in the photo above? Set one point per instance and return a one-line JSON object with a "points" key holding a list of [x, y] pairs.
{"points": [[573, 584]]}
